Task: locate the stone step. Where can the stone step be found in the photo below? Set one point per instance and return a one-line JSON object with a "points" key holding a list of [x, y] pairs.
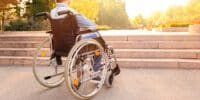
{"points": [[20, 44], [164, 37], [117, 44], [169, 50], [107, 35], [24, 52], [128, 63], [120, 53], [41, 36], [159, 63], [23, 36], [158, 53], [155, 44]]}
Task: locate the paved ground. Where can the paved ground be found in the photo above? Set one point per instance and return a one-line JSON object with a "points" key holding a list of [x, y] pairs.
{"points": [[18, 83]]}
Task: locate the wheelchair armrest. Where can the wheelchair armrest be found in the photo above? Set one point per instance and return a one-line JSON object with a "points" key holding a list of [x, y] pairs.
{"points": [[87, 31], [49, 32], [84, 32]]}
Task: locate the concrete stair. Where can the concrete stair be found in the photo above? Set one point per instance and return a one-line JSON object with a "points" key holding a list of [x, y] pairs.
{"points": [[132, 50]]}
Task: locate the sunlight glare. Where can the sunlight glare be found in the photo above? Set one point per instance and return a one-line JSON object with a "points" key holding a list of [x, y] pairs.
{"points": [[147, 7]]}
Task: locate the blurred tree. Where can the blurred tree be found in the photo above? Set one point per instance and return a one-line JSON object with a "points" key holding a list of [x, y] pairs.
{"points": [[193, 10], [157, 18], [5, 3], [6, 11], [113, 13], [176, 15], [34, 7], [88, 8], [40, 6], [138, 21], [104, 12]]}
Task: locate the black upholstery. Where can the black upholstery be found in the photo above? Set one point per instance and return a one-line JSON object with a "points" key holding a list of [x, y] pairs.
{"points": [[64, 34]]}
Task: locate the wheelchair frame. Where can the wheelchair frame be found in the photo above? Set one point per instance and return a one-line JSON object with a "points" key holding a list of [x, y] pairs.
{"points": [[109, 55]]}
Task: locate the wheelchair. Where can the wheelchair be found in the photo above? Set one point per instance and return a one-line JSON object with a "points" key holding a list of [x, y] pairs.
{"points": [[65, 56]]}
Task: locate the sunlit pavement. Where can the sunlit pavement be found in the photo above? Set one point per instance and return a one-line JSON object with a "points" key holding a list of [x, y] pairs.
{"points": [[138, 32], [18, 83]]}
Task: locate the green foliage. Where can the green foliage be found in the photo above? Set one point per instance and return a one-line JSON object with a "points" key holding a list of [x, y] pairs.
{"points": [[41, 25], [112, 13], [178, 16], [5, 3], [24, 25], [17, 25], [40, 6], [88, 8], [138, 21]]}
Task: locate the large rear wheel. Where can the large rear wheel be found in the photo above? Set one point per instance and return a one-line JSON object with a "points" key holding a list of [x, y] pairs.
{"points": [[46, 70], [85, 75]]}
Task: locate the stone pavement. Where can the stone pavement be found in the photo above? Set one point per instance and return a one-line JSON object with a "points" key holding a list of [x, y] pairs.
{"points": [[18, 83]]}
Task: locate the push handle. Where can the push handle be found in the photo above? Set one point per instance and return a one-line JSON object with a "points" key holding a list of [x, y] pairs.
{"points": [[65, 12]]}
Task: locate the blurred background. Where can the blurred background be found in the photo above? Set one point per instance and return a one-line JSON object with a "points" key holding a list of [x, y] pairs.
{"points": [[16, 15]]}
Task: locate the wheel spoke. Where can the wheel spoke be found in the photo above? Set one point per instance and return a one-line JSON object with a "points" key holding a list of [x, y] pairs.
{"points": [[82, 56]]}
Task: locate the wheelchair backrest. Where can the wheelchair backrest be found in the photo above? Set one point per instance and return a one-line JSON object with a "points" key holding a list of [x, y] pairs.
{"points": [[64, 34]]}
